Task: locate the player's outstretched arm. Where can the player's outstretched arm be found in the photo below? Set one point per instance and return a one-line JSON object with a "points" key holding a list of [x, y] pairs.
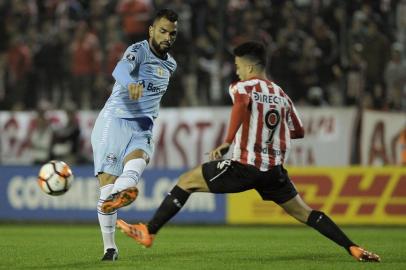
{"points": [[298, 130], [121, 73], [133, 57], [239, 110], [296, 133]]}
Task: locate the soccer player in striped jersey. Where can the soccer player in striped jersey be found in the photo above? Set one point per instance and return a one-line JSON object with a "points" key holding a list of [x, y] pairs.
{"points": [[263, 121], [122, 136]]}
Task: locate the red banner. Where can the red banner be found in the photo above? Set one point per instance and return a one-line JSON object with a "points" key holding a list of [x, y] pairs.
{"points": [[182, 136], [383, 138]]}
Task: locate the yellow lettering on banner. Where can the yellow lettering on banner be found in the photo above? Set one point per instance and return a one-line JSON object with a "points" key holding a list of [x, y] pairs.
{"points": [[353, 195]]}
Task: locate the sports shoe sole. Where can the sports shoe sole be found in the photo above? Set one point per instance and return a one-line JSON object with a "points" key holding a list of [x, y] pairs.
{"points": [[121, 199]]}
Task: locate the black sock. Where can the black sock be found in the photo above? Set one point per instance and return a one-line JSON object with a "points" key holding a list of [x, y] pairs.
{"points": [[322, 223], [169, 207]]}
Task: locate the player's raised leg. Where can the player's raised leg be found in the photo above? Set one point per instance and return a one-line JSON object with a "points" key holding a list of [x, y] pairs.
{"points": [[107, 221], [188, 183], [124, 190], [318, 220]]}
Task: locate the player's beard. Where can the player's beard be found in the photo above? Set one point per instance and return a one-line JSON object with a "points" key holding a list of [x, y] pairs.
{"points": [[159, 49]]}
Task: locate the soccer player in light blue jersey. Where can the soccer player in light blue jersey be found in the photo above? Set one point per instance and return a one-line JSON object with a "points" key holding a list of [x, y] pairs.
{"points": [[122, 135]]}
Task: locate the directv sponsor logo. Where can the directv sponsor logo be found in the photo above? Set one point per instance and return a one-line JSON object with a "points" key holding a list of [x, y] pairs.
{"points": [[270, 99]]}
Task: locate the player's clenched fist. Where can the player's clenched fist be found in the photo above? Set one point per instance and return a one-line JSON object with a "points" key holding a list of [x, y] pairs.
{"points": [[135, 90]]}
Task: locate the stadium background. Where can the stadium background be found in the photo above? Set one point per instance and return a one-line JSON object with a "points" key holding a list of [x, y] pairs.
{"points": [[342, 62]]}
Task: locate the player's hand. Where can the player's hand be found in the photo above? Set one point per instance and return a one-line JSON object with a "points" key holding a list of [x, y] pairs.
{"points": [[219, 152], [135, 90]]}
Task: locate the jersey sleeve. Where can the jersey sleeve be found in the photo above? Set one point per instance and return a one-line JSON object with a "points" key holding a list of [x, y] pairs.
{"points": [[295, 124], [241, 101], [133, 57], [173, 65]]}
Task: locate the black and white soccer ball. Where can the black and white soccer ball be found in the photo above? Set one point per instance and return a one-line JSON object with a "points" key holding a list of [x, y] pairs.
{"points": [[55, 178]]}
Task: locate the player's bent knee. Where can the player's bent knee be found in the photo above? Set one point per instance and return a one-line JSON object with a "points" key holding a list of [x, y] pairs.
{"points": [[138, 153], [191, 182], [106, 179], [186, 181]]}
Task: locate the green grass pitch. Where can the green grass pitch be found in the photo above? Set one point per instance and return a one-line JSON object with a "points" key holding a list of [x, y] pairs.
{"points": [[47, 246]]}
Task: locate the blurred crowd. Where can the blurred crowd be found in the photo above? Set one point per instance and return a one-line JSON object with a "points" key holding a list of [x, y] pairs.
{"points": [[322, 52]]}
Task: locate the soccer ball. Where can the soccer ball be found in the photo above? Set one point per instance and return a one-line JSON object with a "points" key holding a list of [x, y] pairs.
{"points": [[55, 177]]}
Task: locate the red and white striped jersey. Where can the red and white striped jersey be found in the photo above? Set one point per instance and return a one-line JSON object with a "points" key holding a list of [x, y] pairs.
{"points": [[267, 125]]}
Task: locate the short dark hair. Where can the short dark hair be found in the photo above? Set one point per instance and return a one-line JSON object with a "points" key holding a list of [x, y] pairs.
{"points": [[169, 14], [253, 50]]}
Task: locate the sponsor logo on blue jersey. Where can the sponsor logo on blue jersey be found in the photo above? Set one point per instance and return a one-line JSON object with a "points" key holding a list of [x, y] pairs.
{"points": [[154, 89]]}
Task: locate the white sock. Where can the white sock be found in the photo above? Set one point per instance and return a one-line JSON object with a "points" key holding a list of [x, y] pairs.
{"points": [[131, 175], [107, 221]]}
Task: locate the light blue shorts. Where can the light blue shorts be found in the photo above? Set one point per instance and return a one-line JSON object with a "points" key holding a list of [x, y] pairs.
{"points": [[114, 138]]}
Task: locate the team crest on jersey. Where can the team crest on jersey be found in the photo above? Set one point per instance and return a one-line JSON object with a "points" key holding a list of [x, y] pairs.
{"points": [[160, 72], [111, 158]]}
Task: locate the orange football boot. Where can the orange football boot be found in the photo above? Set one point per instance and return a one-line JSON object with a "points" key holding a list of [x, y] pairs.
{"points": [[363, 255], [139, 232], [119, 199]]}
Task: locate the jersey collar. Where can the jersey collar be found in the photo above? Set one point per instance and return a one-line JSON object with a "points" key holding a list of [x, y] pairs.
{"points": [[160, 57], [257, 78]]}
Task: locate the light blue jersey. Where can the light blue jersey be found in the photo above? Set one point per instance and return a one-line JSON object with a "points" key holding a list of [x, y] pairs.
{"points": [[125, 125], [139, 65]]}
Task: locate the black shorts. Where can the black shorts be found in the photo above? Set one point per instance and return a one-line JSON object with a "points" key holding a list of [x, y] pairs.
{"points": [[228, 176]]}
